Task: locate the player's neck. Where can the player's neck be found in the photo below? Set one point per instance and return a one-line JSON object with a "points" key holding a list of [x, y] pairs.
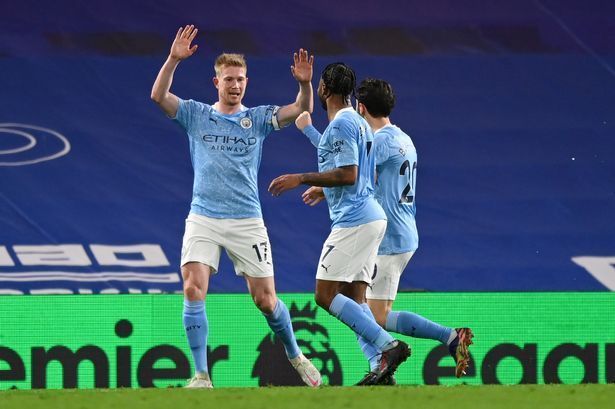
{"points": [[227, 109], [377, 123], [334, 105]]}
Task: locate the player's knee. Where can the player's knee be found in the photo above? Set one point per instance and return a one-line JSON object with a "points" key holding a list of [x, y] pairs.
{"points": [[381, 319], [381, 312], [322, 299], [193, 292], [265, 302]]}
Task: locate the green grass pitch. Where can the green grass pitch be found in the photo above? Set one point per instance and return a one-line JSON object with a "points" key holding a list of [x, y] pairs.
{"points": [[433, 397]]}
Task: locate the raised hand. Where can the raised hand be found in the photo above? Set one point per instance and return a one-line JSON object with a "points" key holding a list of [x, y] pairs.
{"points": [[303, 66], [181, 49], [313, 196], [303, 120]]}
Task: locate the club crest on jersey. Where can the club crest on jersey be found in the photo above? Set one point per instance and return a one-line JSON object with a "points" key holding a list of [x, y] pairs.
{"points": [[246, 123]]}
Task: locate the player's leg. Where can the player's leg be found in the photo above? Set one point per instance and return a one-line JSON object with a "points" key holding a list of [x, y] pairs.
{"points": [[275, 311], [200, 256], [330, 296], [248, 247], [381, 295], [247, 244], [380, 309], [278, 317], [371, 352], [346, 310], [346, 258], [356, 291], [196, 282], [408, 323]]}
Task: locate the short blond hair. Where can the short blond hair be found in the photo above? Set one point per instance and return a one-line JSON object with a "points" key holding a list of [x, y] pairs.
{"points": [[229, 60]]}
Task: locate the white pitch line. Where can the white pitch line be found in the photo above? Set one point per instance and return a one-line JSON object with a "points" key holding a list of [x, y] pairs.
{"points": [[89, 277]]}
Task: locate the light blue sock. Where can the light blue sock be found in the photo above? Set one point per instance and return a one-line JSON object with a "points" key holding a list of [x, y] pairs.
{"points": [[369, 350], [195, 324], [414, 325], [279, 322], [351, 314]]}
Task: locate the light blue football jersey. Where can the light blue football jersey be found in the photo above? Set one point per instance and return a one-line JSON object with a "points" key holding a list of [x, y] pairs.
{"points": [[226, 153], [348, 141], [396, 161]]}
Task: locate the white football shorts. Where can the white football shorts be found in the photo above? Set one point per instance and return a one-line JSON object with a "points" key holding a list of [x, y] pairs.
{"points": [[385, 280], [245, 241], [349, 253]]}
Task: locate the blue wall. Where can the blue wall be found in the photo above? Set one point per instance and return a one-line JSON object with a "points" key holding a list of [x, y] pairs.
{"points": [[511, 107]]}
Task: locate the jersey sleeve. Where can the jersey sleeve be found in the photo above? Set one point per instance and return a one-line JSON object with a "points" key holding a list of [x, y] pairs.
{"points": [[187, 113], [312, 134], [343, 140], [265, 117]]}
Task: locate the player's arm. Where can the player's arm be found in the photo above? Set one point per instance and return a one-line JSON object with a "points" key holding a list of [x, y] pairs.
{"points": [[304, 124], [342, 176], [180, 50], [302, 71]]}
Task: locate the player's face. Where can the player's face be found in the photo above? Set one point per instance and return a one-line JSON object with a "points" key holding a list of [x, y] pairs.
{"points": [[322, 95], [231, 84]]}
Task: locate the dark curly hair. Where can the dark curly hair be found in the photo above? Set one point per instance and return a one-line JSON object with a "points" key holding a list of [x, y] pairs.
{"points": [[377, 96], [339, 79]]}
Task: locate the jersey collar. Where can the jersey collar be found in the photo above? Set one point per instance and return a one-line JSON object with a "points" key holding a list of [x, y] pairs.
{"points": [[343, 110], [385, 127], [241, 110]]}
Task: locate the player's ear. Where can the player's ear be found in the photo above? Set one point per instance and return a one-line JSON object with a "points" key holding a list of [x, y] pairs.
{"points": [[360, 109], [325, 91], [216, 81]]}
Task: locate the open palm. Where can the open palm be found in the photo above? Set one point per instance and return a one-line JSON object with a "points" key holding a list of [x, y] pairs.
{"points": [[181, 48], [302, 68]]}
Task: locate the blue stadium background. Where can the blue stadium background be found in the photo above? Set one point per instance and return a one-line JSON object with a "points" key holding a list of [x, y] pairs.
{"points": [[511, 106]]}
